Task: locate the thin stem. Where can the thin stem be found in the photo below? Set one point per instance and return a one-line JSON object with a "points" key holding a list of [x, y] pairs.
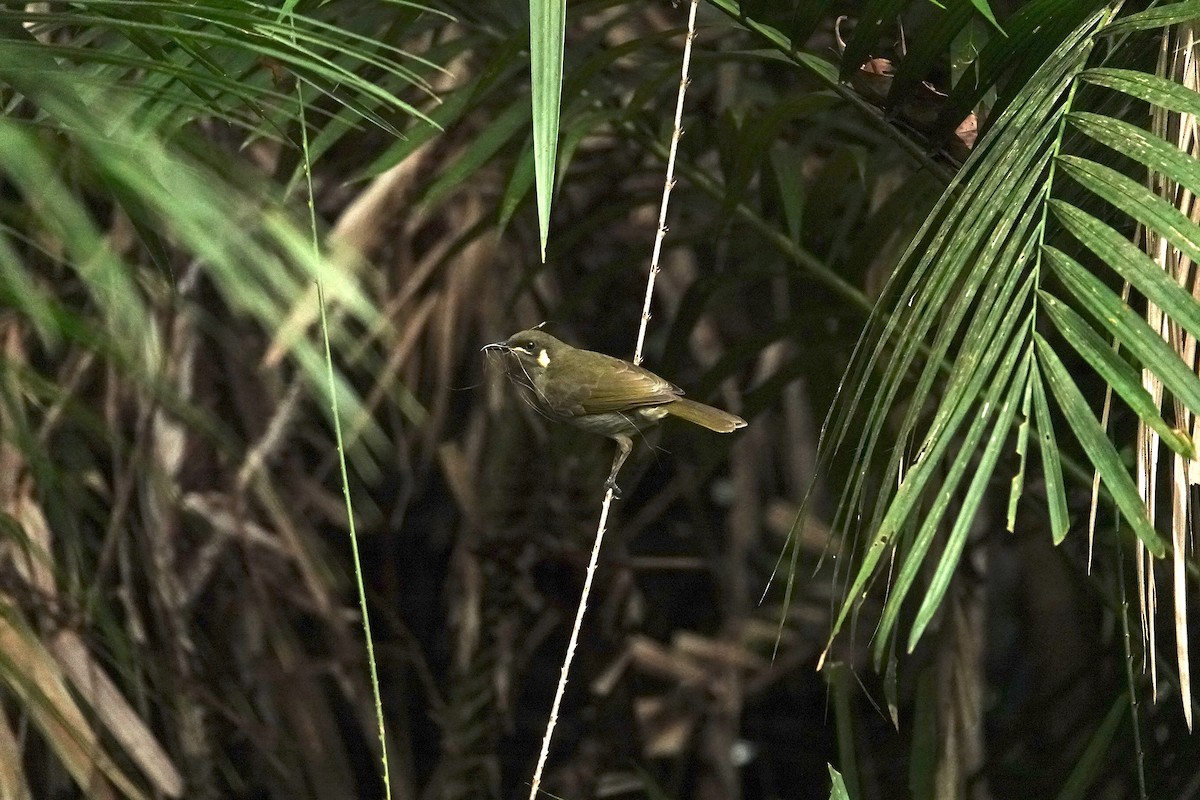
{"points": [[1130, 685], [566, 666], [669, 184], [362, 592], [637, 359], [341, 451]]}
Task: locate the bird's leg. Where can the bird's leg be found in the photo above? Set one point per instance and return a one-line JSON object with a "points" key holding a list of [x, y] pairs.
{"points": [[624, 446]]}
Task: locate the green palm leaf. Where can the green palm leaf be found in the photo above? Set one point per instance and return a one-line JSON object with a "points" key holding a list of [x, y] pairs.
{"points": [[946, 356]]}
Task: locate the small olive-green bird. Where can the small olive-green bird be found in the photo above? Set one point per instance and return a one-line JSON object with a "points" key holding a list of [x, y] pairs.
{"points": [[599, 393]]}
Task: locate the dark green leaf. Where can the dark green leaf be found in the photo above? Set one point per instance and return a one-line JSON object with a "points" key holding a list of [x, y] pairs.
{"points": [[1017, 487], [1094, 760], [1130, 263], [875, 20], [1116, 372], [1098, 447], [1162, 17], [1128, 327], [928, 47], [837, 790], [1056, 493], [986, 10], [1138, 202], [1151, 88], [547, 31], [970, 502], [485, 146], [1144, 147]]}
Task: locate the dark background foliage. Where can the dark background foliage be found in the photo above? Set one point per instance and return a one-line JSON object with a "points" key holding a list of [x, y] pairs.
{"points": [[176, 574]]}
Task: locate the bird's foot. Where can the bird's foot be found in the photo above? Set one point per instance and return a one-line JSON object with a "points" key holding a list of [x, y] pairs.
{"points": [[611, 485]]}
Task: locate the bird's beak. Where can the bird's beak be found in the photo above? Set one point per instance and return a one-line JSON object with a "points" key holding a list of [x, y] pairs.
{"points": [[502, 346]]}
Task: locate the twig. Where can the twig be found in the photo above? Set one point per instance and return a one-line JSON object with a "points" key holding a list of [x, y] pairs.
{"points": [[566, 666], [676, 134], [637, 359]]}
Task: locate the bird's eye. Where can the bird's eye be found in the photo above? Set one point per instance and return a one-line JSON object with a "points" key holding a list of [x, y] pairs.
{"points": [[530, 345]]}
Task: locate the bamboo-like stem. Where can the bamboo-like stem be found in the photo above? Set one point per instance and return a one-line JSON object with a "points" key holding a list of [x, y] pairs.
{"points": [[676, 133], [669, 184], [566, 666]]}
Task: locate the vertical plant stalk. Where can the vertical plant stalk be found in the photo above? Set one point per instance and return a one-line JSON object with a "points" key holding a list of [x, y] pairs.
{"points": [[1175, 63], [362, 592], [669, 184], [676, 134], [341, 452], [566, 665], [1130, 685]]}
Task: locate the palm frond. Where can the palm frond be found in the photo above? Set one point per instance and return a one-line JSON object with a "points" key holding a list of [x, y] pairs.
{"points": [[960, 348]]}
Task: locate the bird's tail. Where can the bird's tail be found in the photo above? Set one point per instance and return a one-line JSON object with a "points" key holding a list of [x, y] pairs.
{"points": [[705, 416]]}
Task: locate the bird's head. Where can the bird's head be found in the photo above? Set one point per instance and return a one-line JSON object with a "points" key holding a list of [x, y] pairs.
{"points": [[533, 348]]}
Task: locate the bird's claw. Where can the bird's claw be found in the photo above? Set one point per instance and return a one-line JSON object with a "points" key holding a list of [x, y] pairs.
{"points": [[611, 485]]}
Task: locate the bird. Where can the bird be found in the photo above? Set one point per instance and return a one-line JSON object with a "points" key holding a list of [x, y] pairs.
{"points": [[600, 393]]}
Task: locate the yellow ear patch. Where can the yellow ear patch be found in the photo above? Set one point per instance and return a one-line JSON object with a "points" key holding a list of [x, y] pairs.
{"points": [[544, 358]]}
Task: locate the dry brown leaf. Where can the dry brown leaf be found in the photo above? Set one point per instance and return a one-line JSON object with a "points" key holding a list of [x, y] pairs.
{"points": [[462, 483], [119, 718], [963, 141], [649, 655], [32, 674], [1179, 543], [716, 652], [312, 571], [397, 356], [665, 728], [873, 80], [604, 683], [12, 775], [35, 564], [371, 214], [304, 705]]}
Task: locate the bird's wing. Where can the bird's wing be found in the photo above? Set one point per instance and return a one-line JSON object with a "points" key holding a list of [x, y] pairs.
{"points": [[617, 385]]}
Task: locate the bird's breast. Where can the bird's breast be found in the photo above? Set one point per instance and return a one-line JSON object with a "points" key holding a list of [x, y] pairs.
{"points": [[620, 423]]}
